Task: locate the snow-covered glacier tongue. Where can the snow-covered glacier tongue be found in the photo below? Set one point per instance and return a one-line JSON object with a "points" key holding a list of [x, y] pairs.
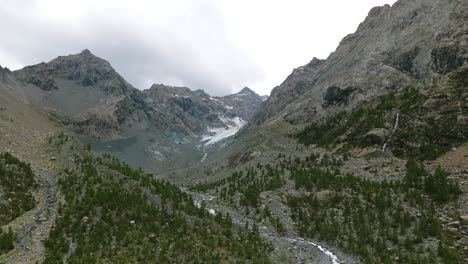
{"points": [[216, 134]]}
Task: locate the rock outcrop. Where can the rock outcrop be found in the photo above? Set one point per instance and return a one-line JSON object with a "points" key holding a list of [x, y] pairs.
{"points": [[244, 103]]}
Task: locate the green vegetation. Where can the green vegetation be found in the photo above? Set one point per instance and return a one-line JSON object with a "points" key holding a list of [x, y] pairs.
{"points": [[415, 136], [16, 183], [243, 188], [359, 121], [249, 184], [380, 221], [383, 222], [59, 140], [6, 241], [114, 214], [436, 185]]}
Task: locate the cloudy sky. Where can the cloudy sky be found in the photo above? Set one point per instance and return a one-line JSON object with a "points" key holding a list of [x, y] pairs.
{"points": [[216, 45]]}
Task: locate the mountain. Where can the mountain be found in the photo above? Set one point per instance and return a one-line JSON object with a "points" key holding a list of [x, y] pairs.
{"points": [[84, 90], [348, 147], [61, 202], [358, 158], [146, 128], [411, 44], [415, 45], [244, 103], [198, 110]]}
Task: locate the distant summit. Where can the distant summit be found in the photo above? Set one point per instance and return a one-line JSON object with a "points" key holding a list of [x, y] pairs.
{"points": [[86, 52], [246, 90]]}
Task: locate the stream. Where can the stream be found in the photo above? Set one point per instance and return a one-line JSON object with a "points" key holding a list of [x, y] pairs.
{"points": [[395, 126], [265, 232]]}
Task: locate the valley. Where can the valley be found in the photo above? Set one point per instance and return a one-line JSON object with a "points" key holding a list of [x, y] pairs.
{"points": [[361, 157]]}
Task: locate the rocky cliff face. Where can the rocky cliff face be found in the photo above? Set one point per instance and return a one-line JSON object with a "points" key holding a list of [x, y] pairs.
{"points": [[411, 44], [196, 110], [244, 103]]}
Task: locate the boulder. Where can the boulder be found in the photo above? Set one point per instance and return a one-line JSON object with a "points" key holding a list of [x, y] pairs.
{"points": [[462, 120], [377, 136], [324, 195], [431, 103], [464, 219], [454, 224], [294, 193]]}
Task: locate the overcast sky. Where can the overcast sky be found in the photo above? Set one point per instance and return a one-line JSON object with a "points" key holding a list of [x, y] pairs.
{"points": [[219, 46]]}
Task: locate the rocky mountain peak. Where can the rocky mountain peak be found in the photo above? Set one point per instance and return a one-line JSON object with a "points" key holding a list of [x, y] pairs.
{"points": [[86, 52], [161, 89], [4, 69], [315, 62], [85, 66], [246, 90], [83, 69], [3, 72]]}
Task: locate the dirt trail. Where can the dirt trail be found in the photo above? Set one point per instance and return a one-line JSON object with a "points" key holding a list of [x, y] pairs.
{"points": [[33, 227]]}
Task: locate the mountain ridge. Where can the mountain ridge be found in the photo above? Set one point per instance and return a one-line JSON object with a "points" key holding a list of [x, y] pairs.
{"points": [[384, 47], [88, 96]]}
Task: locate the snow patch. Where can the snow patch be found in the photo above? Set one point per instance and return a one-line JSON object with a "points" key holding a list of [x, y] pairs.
{"points": [[216, 134]]}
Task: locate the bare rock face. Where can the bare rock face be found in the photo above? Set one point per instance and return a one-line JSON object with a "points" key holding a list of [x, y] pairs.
{"points": [[297, 83], [410, 44], [191, 110], [3, 72], [197, 110], [244, 103]]}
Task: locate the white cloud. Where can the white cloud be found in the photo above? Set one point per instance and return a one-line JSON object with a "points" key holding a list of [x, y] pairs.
{"points": [[218, 46]]}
